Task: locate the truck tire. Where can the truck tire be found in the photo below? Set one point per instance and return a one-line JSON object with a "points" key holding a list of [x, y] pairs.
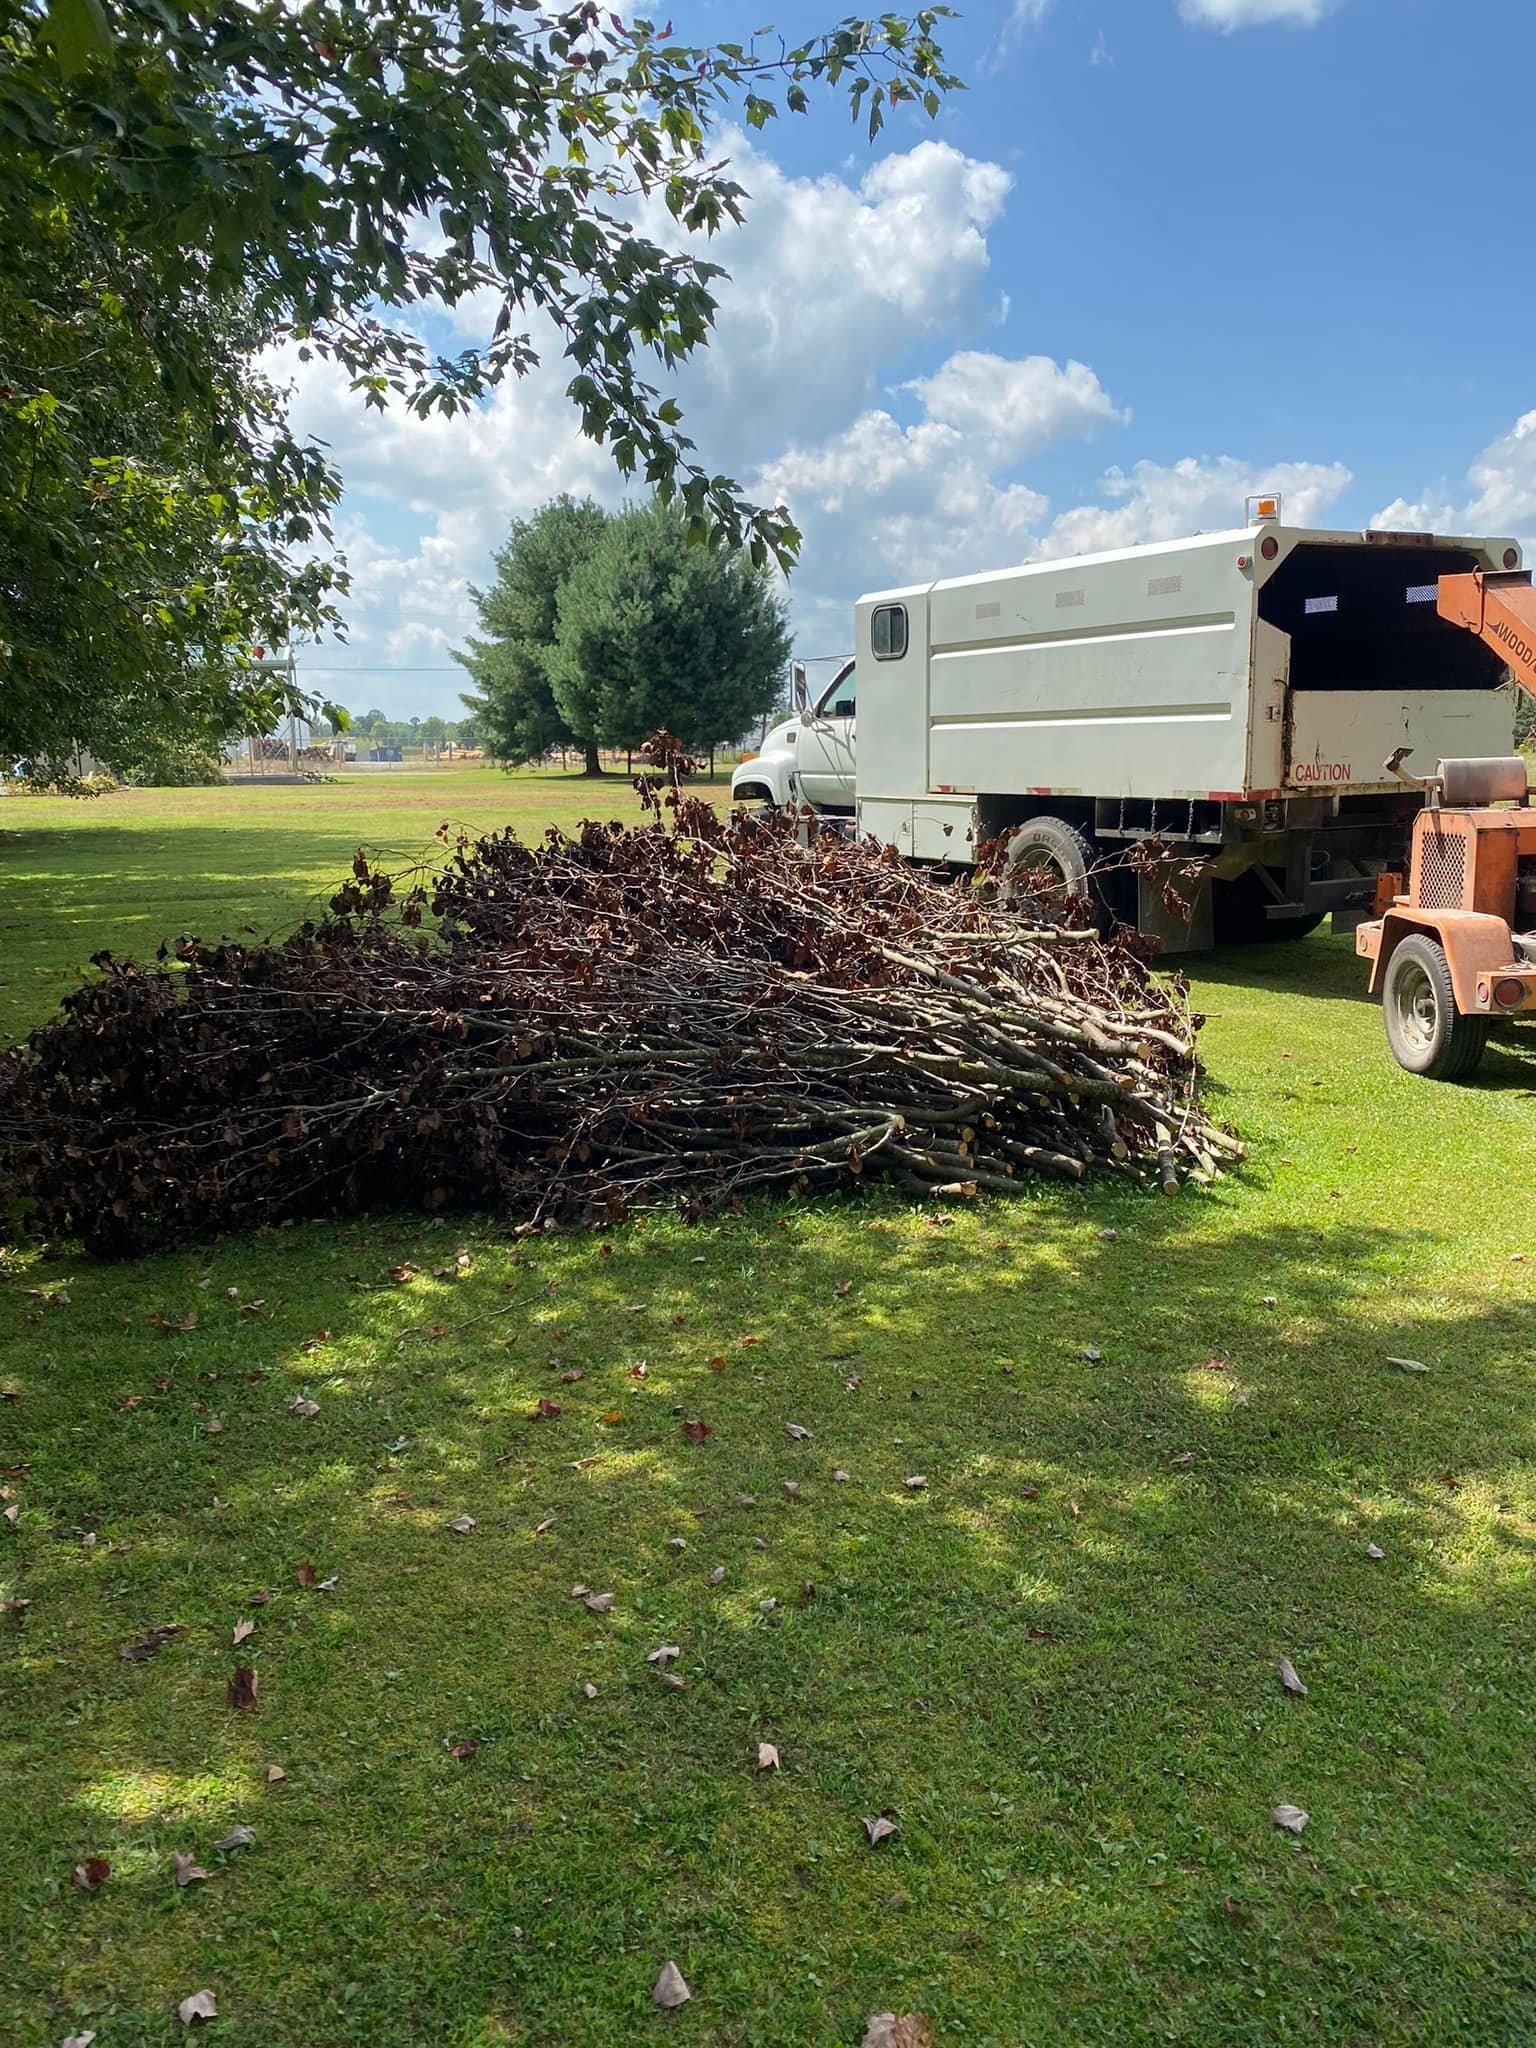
{"points": [[1057, 851], [1427, 1033]]}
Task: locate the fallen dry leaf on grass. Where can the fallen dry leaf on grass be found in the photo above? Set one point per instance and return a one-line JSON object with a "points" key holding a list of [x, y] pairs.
{"points": [[462, 1524], [1291, 1818], [1182, 1460], [80, 2040], [149, 1644], [543, 1528], [916, 1482], [15, 1609], [304, 1573], [877, 1827], [841, 1476], [792, 1488], [239, 1837], [128, 1403], [854, 1382], [1408, 1364], [797, 1431], [767, 1757], [750, 1340], [243, 1687], [312, 1344], [677, 1684], [242, 1630], [275, 1774], [90, 1875], [900, 2030], [717, 1576], [179, 1324], [188, 1869], [547, 1410], [202, 2005], [677, 1543], [638, 1370], [598, 1602], [302, 1405], [767, 1606], [696, 1431], [664, 1653], [1290, 1679], [461, 1752], [669, 1991], [1093, 1354], [1375, 1550], [13, 1514], [589, 1692]]}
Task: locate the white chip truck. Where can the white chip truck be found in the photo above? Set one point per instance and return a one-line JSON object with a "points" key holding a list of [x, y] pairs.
{"points": [[1231, 699]]}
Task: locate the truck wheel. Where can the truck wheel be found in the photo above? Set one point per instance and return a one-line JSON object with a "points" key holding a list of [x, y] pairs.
{"points": [[1049, 861], [1427, 1033]]}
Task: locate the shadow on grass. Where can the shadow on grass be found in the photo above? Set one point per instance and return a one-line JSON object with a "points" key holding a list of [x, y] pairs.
{"points": [[1053, 1664]]}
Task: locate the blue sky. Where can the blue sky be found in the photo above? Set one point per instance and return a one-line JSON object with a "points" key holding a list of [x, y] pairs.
{"points": [[1160, 252]]}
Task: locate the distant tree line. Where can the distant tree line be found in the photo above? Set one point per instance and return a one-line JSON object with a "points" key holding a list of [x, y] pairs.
{"points": [[384, 731], [602, 627]]}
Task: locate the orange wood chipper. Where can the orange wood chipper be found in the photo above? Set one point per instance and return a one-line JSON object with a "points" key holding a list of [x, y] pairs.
{"points": [[1457, 949]]}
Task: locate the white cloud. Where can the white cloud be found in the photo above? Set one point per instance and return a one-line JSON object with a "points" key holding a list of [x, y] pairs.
{"points": [[1228, 15], [1155, 501], [832, 283], [1022, 17], [882, 502], [1498, 496], [1015, 407]]}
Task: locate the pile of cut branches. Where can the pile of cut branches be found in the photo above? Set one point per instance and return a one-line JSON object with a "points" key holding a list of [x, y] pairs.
{"points": [[682, 1011]]}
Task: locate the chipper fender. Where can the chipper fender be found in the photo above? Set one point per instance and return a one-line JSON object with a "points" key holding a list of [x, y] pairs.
{"points": [[1474, 943]]}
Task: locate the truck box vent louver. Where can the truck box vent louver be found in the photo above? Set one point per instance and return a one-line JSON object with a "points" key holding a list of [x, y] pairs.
{"points": [[1065, 599]]}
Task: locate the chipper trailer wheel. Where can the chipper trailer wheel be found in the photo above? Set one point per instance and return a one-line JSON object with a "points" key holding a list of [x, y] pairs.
{"points": [[1427, 1033]]}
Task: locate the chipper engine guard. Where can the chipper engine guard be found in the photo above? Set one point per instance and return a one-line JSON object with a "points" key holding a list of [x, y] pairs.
{"points": [[1458, 947]]}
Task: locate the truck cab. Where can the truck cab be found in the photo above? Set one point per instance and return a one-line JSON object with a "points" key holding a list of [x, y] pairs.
{"points": [[808, 759]]}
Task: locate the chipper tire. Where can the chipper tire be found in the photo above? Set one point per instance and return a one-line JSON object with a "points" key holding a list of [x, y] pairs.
{"points": [[1427, 1033]]}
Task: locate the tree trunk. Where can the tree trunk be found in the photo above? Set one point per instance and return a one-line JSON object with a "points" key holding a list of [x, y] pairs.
{"points": [[629, 760], [594, 765]]}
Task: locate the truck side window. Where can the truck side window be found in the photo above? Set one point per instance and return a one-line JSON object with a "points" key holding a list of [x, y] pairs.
{"points": [[845, 703], [888, 632]]}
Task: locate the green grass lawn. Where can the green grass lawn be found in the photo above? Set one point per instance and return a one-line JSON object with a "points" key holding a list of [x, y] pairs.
{"points": [[1053, 1666]]}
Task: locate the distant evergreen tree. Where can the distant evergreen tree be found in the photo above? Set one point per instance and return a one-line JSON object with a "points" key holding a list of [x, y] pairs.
{"points": [[513, 704], [654, 632]]}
